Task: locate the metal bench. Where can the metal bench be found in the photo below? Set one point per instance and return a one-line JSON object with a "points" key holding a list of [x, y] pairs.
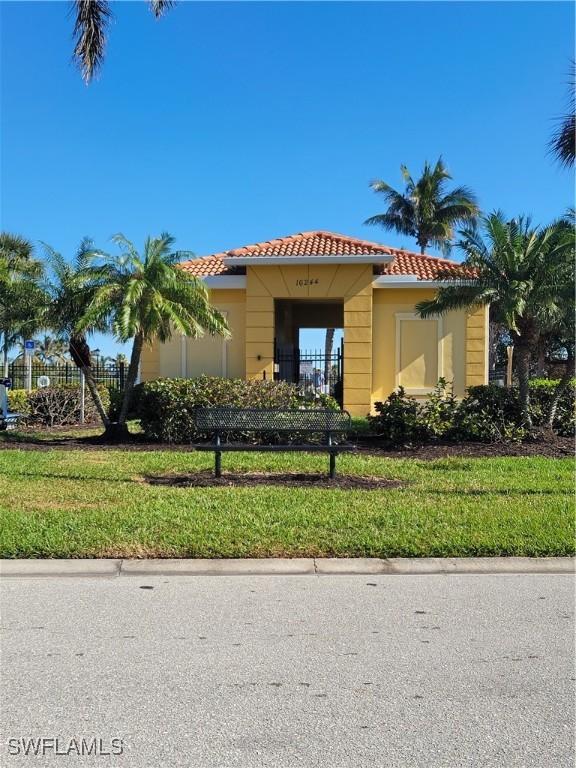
{"points": [[8, 419], [221, 422]]}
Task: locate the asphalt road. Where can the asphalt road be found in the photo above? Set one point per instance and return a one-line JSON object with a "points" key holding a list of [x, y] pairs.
{"points": [[399, 671]]}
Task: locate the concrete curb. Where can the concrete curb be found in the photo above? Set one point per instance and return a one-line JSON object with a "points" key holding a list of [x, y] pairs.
{"points": [[285, 566]]}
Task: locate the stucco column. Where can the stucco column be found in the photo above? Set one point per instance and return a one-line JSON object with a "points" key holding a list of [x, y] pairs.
{"points": [[259, 329], [358, 344], [477, 347]]}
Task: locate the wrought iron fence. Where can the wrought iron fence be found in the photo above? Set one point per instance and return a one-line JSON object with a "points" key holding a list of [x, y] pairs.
{"points": [[65, 373], [313, 370]]}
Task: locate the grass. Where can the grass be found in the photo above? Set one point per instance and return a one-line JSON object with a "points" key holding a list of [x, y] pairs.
{"points": [[95, 503]]}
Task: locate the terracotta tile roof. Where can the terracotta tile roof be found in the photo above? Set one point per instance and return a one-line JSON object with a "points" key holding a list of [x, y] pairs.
{"points": [[320, 243], [316, 243], [423, 266], [208, 266]]}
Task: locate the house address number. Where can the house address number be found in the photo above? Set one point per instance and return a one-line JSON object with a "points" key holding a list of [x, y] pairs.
{"points": [[307, 281]]}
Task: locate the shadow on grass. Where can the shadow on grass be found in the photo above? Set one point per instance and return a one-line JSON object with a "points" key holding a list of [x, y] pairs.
{"points": [[206, 479]]}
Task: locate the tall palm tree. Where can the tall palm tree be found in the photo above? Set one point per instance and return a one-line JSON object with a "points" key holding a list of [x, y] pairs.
{"points": [[92, 18], [70, 291], [145, 297], [50, 349], [328, 350], [22, 299], [522, 272], [563, 142], [426, 210]]}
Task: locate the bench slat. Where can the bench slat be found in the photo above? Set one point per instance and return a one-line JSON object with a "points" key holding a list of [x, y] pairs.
{"points": [[221, 419]]}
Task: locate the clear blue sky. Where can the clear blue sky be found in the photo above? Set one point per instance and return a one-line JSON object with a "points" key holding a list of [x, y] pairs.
{"points": [[229, 123]]}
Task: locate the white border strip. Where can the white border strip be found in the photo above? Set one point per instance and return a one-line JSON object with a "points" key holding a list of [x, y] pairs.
{"points": [[225, 281], [254, 261], [407, 281]]}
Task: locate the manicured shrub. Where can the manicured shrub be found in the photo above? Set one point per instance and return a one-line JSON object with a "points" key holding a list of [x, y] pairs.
{"points": [[166, 406], [60, 405], [116, 402], [436, 413], [490, 414], [18, 401], [541, 394], [397, 419]]}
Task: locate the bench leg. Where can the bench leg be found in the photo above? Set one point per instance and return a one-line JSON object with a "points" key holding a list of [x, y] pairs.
{"points": [[217, 464], [332, 466]]}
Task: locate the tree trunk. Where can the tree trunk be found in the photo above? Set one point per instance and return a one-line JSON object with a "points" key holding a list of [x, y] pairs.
{"points": [[95, 395], [5, 355], [522, 355], [80, 354], [130, 380], [559, 391], [541, 359], [328, 349]]}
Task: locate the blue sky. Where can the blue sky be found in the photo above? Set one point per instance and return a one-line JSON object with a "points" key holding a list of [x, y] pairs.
{"points": [[230, 123]]}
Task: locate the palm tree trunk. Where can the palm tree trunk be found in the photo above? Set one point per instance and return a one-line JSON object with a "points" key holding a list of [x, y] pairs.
{"points": [[328, 348], [522, 354], [95, 395], [130, 379], [5, 355], [80, 354], [561, 387], [541, 372]]}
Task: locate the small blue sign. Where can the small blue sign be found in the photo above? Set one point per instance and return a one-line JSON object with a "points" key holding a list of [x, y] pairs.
{"points": [[29, 344]]}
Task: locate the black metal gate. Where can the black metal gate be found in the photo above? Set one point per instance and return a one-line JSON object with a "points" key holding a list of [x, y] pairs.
{"points": [[312, 370]]}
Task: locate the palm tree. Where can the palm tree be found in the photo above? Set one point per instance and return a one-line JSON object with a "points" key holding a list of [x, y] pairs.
{"points": [[50, 349], [70, 292], [21, 296], [522, 272], [426, 210], [328, 349], [92, 18], [563, 142], [144, 297]]}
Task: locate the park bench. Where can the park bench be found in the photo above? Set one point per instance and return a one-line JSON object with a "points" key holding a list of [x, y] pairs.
{"points": [[223, 422], [8, 419]]}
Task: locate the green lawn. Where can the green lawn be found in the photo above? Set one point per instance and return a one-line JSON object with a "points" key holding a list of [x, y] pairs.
{"points": [[94, 503]]}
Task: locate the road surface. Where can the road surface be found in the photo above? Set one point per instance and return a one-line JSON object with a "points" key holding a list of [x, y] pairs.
{"points": [[289, 671]]}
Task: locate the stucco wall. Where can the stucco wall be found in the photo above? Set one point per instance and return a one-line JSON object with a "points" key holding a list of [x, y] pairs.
{"points": [[350, 282], [374, 320], [443, 345], [210, 354]]}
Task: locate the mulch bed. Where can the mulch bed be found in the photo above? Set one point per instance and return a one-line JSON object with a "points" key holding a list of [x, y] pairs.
{"points": [[206, 479], [559, 447]]}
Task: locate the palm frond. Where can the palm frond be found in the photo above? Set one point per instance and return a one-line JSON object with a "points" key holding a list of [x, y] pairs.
{"points": [[563, 141], [159, 7], [92, 18]]}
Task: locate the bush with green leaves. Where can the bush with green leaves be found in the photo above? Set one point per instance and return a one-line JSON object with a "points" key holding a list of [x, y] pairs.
{"points": [[436, 413], [18, 401], [60, 405], [166, 406], [397, 419], [490, 414], [541, 394]]}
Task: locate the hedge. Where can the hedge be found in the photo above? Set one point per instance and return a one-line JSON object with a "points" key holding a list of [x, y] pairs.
{"points": [[165, 407], [486, 414]]}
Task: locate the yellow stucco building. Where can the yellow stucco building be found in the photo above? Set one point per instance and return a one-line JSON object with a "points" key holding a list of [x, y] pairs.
{"points": [[270, 290]]}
